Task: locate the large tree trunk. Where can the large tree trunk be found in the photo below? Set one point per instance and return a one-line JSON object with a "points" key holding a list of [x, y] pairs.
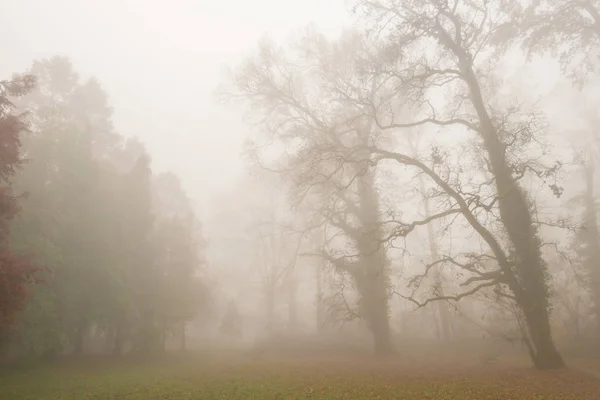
{"points": [[374, 309], [372, 276], [543, 350], [532, 294]]}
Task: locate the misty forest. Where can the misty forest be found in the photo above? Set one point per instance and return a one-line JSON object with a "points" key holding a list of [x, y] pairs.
{"points": [[415, 217]]}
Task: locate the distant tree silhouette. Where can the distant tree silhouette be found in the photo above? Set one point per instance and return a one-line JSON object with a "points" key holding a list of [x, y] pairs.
{"points": [[16, 273]]}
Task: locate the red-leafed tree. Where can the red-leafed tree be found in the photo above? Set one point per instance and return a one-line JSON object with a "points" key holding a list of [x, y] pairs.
{"points": [[16, 273]]}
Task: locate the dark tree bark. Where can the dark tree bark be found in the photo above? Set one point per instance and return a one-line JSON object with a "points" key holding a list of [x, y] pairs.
{"points": [[371, 277], [515, 214]]}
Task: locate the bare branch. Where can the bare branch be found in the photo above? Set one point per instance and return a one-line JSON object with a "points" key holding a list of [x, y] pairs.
{"points": [[447, 298]]}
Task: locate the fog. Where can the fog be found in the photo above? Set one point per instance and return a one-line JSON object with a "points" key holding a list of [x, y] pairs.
{"points": [[145, 53], [408, 185]]}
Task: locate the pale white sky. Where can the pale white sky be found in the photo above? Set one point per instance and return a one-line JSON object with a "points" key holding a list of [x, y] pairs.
{"points": [[160, 61]]}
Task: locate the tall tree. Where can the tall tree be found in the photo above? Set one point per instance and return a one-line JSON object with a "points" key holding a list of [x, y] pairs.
{"points": [[457, 35], [92, 218], [140, 268], [16, 272], [61, 216], [297, 99], [182, 294]]}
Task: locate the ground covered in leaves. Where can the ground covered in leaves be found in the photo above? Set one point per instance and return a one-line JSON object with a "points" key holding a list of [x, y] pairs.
{"points": [[209, 377]]}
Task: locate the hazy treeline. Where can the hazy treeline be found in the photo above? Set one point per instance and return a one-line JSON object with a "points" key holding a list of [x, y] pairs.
{"points": [[117, 250]]}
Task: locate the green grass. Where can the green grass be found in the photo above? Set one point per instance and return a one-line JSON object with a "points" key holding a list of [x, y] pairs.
{"points": [[239, 378]]}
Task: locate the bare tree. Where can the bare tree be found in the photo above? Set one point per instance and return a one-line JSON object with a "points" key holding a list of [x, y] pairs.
{"points": [[567, 28], [297, 104], [453, 44]]}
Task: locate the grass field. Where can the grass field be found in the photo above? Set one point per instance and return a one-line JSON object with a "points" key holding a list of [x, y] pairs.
{"points": [[234, 377]]}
